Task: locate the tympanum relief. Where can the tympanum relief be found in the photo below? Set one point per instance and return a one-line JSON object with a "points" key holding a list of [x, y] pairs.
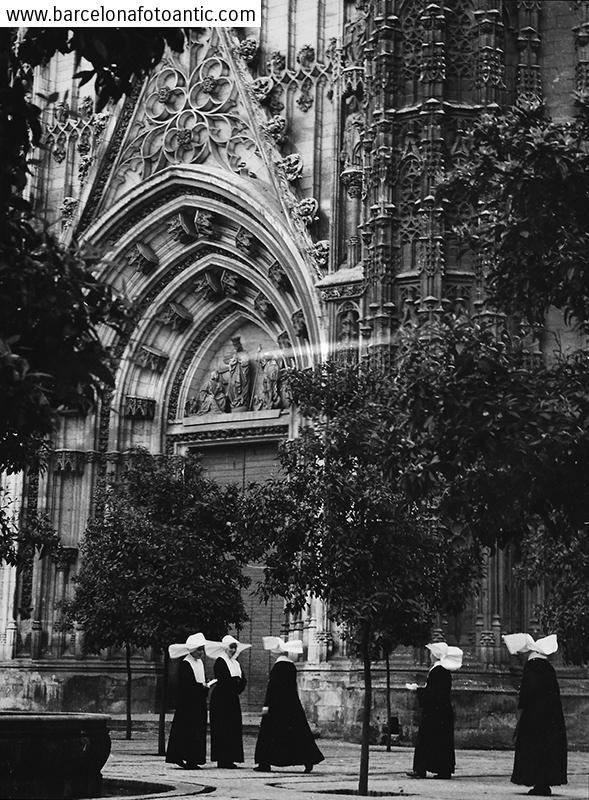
{"points": [[249, 373]]}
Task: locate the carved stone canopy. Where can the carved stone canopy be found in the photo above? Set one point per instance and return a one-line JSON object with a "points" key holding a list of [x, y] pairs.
{"points": [[151, 358], [182, 227], [143, 258], [69, 461], [139, 407], [176, 316]]}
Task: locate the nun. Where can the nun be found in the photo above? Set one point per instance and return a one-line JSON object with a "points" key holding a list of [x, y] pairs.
{"points": [[187, 742], [540, 737], [434, 747], [225, 708], [284, 738]]}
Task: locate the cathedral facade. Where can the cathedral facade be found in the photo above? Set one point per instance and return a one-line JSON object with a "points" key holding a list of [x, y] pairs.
{"points": [[265, 200]]}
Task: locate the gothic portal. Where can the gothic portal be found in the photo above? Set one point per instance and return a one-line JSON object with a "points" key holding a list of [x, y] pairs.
{"points": [[265, 200]]}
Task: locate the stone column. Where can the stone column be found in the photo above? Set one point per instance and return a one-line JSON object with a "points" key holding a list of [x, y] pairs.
{"points": [[63, 559], [529, 80]]}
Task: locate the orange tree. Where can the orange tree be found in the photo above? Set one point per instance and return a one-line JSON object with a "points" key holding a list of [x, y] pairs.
{"points": [[500, 438], [335, 524], [159, 561]]}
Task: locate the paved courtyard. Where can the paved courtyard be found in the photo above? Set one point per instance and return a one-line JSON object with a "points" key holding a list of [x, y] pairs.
{"points": [[480, 773]]}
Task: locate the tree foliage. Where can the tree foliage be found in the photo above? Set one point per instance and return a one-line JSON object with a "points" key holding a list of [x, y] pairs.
{"points": [[339, 526], [160, 560], [500, 439], [563, 568], [527, 182]]}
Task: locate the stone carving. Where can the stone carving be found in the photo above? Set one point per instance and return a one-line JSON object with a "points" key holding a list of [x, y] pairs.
{"points": [[151, 358], [239, 377], [347, 324], [176, 316], [320, 252], [275, 128], [307, 210], [277, 431], [61, 112], [274, 102], [342, 290], [352, 178], [75, 135], [139, 407], [203, 225], [247, 49], [263, 306], [306, 56], [299, 325], [69, 461], [242, 385], [278, 276], [261, 88], [143, 258], [292, 166], [86, 108], [229, 283], [84, 168], [182, 227], [276, 63], [305, 99], [266, 392], [347, 329], [68, 209], [216, 285], [191, 115], [245, 240], [211, 397]]}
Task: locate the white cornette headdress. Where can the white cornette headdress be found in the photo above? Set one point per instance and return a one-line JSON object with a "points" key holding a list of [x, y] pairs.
{"points": [[193, 641], [524, 643], [216, 649], [277, 645], [448, 657]]}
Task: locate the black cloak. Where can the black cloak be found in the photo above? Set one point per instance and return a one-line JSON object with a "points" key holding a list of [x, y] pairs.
{"points": [[541, 740], [226, 726], [188, 735], [285, 738], [434, 747]]}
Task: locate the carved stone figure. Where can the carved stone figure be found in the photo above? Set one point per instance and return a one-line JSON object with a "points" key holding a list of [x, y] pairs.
{"points": [[212, 398], [191, 406], [239, 382], [267, 393], [299, 324], [248, 49]]}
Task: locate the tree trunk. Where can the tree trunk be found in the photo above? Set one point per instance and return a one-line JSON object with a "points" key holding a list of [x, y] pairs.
{"points": [[161, 742], [129, 728], [365, 743], [388, 668]]}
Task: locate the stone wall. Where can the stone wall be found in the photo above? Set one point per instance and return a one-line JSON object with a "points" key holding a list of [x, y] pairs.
{"points": [[485, 704]]}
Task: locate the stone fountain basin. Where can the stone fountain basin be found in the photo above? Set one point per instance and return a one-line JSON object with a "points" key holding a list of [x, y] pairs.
{"points": [[52, 756]]}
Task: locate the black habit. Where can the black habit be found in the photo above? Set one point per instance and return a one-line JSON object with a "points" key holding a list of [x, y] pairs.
{"points": [[285, 738], [226, 726], [187, 742], [541, 741], [434, 747]]}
